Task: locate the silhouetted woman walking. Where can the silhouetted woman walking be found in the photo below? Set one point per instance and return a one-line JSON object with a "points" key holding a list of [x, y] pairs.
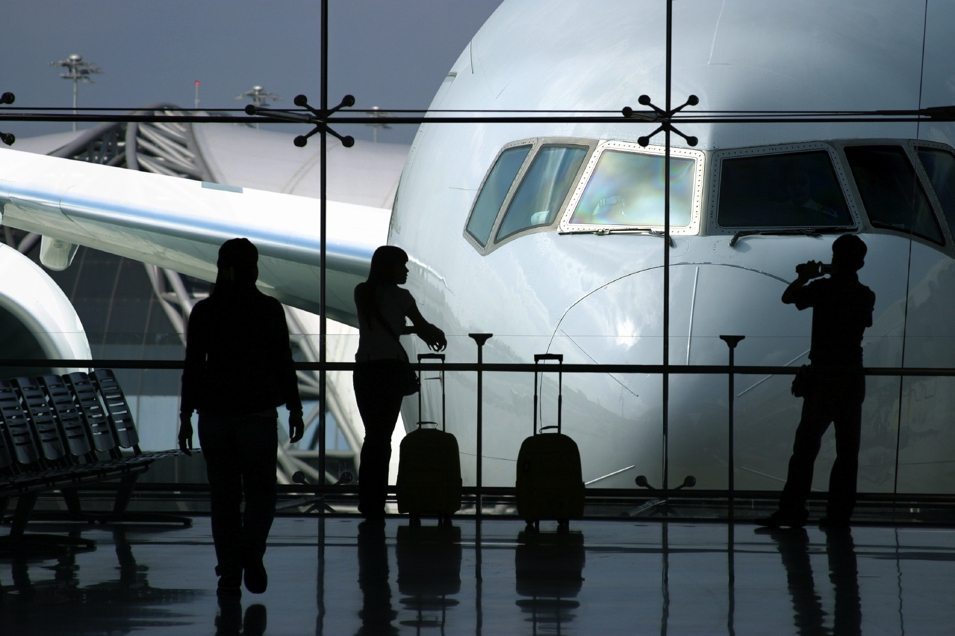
{"points": [[238, 369]]}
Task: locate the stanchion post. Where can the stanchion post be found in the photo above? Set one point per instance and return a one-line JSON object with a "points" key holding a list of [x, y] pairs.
{"points": [[480, 339], [731, 342]]}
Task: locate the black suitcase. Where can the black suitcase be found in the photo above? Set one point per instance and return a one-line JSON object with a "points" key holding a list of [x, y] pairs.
{"points": [[549, 483], [429, 465]]}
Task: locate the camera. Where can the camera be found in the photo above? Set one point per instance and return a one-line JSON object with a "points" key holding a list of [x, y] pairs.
{"points": [[812, 269]]}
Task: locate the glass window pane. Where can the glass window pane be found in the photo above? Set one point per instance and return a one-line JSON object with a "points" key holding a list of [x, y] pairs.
{"points": [[495, 189], [940, 167], [627, 189], [782, 190], [543, 189], [891, 192]]}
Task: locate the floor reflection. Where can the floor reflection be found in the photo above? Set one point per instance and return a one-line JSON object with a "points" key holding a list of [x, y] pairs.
{"points": [[231, 622], [38, 603], [809, 617], [376, 614], [644, 577], [429, 573], [548, 569]]}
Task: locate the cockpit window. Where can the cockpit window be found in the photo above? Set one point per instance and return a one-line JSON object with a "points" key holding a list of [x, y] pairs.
{"points": [[940, 167], [543, 189], [797, 189], [626, 189], [891, 192], [494, 191]]}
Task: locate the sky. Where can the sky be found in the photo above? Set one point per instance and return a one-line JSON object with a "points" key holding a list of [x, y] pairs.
{"points": [[387, 53]]}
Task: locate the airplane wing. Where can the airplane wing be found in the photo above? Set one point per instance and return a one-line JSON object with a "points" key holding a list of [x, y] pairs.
{"points": [[179, 224]]}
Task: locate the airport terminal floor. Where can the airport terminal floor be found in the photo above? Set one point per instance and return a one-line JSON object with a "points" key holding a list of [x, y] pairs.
{"points": [[330, 575]]}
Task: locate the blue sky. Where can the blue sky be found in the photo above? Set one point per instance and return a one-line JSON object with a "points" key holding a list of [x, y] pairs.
{"points": [[388, 53]]}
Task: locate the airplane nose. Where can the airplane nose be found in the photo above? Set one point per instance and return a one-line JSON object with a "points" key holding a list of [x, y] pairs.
{"points": [[622, 323]]}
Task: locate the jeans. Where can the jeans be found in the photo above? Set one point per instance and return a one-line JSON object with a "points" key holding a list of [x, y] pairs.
{"points": [[833, 397], [379, 402], [240, 451]]}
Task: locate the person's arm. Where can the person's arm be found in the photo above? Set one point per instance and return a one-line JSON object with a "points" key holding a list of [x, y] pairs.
{"points": [[805, 272], [430, 334], [289, 379]]}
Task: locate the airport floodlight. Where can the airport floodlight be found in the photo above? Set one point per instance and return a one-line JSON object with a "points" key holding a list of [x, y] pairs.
{"points": [[376, 113], [76, 70], [259, 96]]}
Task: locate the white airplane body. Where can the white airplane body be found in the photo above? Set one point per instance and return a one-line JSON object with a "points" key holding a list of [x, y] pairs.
{"points": [[577, 267]]}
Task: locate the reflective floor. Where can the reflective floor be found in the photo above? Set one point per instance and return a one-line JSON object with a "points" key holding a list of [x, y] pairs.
{"points": [[334, 577]]}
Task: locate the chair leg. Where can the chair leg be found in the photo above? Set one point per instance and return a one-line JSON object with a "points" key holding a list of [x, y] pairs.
{"points": [[72, 499], [124, 493], [19, 541], [21, 515]]}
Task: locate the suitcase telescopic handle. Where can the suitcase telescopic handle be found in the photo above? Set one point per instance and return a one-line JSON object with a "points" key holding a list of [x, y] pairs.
{"points": [[440, 358], [559, 358]]}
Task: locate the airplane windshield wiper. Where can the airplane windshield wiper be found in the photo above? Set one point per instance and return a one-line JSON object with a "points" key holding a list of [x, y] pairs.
{"points": [[624, 230], [801, 231]]}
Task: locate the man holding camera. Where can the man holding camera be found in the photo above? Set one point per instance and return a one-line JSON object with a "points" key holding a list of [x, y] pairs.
{"points": [[834, 388]]}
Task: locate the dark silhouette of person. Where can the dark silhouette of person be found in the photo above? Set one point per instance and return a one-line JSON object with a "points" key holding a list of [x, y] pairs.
{"points": [[381, 361], [230, 621], [376, 612], [808, 614], [809, 617], [844, 576], [835, 386], [238, 369]]}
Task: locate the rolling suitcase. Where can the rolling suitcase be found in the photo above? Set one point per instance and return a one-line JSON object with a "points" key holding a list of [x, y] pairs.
{"points": [[429, 465], [549, 483]]}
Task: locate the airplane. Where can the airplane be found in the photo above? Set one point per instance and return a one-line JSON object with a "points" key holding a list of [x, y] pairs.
{"points": [[550, 235]]}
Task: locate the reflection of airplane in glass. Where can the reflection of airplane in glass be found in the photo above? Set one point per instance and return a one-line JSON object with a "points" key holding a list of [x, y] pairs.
{"points": [[548, 234]]}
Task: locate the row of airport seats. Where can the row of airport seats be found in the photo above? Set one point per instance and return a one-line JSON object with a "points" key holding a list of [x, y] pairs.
{"points": [[58, 433]]}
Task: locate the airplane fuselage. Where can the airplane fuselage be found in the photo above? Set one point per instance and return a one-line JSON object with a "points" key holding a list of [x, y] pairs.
{"points": [[571, 279]]}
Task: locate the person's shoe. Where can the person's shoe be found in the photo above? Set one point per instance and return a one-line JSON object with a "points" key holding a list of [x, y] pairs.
{"points": [[255, 576], [229, 587], [780, 519], [255, 621], [229, 617]]}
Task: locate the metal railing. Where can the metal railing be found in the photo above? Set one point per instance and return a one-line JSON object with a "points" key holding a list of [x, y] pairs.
{"points": [[480, 369]]}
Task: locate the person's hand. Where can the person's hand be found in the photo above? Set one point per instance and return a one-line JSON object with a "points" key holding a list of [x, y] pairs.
{"points": [[296, 426], [434, 338], [185, 433], [809, 270]]}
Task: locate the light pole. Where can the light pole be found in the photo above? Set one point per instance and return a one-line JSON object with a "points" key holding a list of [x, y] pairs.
{"points": [[77, 70]]}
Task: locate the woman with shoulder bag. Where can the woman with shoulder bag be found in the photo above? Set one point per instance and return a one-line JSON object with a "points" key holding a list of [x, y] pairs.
{"points": [[383, 373]]}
